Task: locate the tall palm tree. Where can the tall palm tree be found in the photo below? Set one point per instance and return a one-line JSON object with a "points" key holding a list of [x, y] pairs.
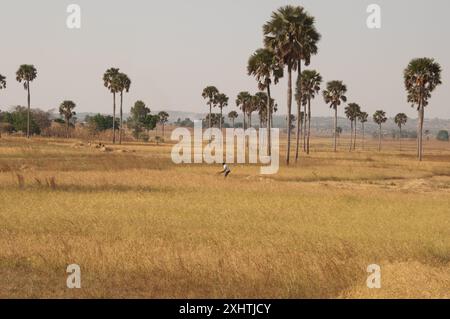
{"points": [[289, 33], [265, 66], [124, 84], [243, 101], [66, 110], [421, 77], [352, 111], [163, 118], [27, 73], [379, 117], [310, 82], [111, 82], [400, 119], [334, 95], [210, 93], [233, 115], [222, 101], [363, 118], [308, 39]]}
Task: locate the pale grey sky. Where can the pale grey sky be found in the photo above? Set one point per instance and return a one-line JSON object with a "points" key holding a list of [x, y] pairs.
{"points": [[172, 49]]}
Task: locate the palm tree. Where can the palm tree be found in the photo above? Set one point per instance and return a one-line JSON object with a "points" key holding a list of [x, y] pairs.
{"points": [[400, 119], [352, 111], [421, 76], [363, 117], [111, 82], [27, 73], [310, 82], [210, 93], [222, 101], [233, 115], [308, 39], [334, 95], [124, 84], [243, 101], [265, 66], [289, 34], [163, 118], [66, 110], [379, 117]]}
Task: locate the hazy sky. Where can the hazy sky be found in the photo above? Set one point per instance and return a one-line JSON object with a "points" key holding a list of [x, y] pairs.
{"points": [[173, 49]]}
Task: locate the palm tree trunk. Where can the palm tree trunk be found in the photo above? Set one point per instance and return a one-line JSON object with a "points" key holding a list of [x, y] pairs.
{"points": [[363, 136], [121, 115], [209, 124], [335, 128], [309, 125], [299, 131], [379, 139], [351, 135], [421, 133], [220, 120], [269, 115], [289, 109], [67, 128], [114, 118], [400, 138], [418, 133], [29, 109], [299, 107], [232, 120], [354, 138], [244, 115], [305, 121]]}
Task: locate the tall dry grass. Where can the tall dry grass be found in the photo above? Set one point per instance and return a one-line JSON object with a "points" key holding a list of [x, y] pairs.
{"points": [[140, 226]]}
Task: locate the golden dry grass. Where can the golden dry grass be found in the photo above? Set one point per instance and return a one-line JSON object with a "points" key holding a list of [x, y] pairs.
{"points": [[140, 226]]}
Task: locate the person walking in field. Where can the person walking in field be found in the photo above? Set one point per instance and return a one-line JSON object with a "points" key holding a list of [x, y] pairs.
{"points": [[226, 170]]}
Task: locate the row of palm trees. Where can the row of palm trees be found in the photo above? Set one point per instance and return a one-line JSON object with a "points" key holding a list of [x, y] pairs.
{"points": [[117, 82], [215, 98], [354, 114], [290, 39], [114, 80]]}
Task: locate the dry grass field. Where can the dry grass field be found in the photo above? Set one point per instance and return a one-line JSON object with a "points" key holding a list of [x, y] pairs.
{"points": [[140, 226]]}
